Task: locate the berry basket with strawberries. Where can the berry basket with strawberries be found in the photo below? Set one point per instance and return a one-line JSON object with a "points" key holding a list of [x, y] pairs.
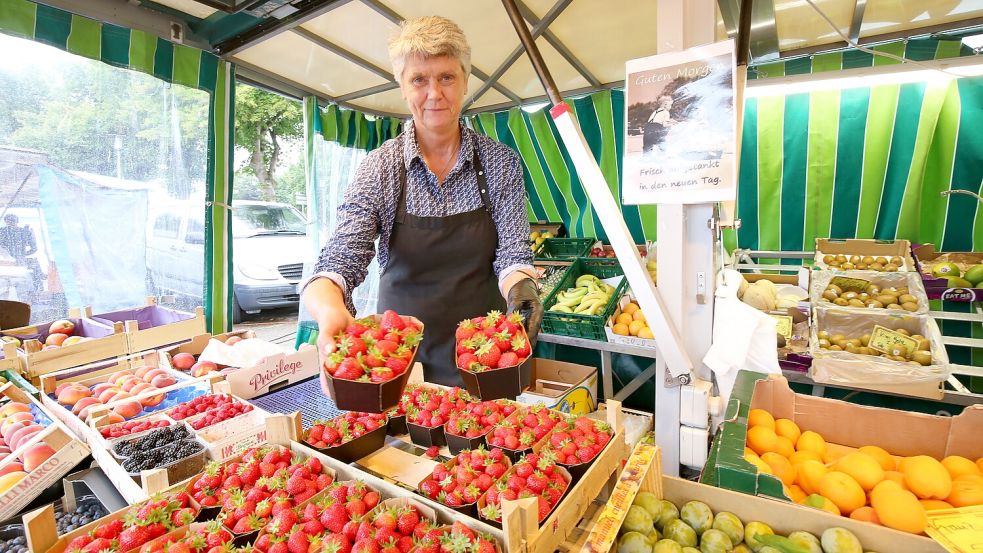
{"points": [[197, 537], [205, 411], [429, 410], [393, 525], [467, 428], [131, 529], [535, 475], [348, 437], [523, 429], [577, 441], [369, 369], [492, 355], [457, 538], [459, 482]]}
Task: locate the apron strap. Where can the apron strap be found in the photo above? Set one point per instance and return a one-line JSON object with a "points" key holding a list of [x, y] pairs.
{"points": [[401, 206]]}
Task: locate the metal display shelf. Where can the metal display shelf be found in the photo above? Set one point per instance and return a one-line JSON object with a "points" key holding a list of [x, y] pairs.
{"points": [[606, 349]]}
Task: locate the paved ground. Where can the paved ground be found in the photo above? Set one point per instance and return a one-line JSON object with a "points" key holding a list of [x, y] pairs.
{"points": [[276, 325]]}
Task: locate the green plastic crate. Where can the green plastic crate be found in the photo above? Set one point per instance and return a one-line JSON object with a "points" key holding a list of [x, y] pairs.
{"points": [[576, 325], [563, 249], [19, 381]]}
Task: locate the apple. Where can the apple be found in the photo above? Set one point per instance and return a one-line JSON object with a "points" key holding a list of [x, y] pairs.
{"points": [[183, 361], [163, 381], [38, 454], [62, 326], [233, 340], [201, 368], [73, 340], [128, 409]]}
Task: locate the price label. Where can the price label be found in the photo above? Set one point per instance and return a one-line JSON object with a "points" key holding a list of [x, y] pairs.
{"points": [[848, 284], [957, 530], [891, 342], [783, 326]]}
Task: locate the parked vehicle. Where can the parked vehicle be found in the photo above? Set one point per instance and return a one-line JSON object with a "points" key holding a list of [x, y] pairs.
{"points": [[269, 245]]}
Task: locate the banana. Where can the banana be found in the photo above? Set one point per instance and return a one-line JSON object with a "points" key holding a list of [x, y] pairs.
{"points": [[589, 308], [561, 309], [598, 295], [607, 288], [578, 292], [582, 280], [597, 307], [568, 302]]}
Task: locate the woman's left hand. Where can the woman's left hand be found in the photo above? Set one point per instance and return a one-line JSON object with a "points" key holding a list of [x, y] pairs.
{"points": [[524, 298]]}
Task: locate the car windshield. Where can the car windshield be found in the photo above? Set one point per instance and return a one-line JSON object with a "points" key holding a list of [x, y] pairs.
{"points": [[256, 220]]}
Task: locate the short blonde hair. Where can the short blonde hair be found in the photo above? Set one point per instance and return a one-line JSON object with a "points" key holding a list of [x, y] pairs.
{"points": [[428, 36]]}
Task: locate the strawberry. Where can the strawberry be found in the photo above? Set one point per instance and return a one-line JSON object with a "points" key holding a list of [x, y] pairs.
{"points": [[407, 520], [465, 359], [465, 330], [520, 345], [433, 452], [507, 360], [397, 365], [382, 373], [503, 340], [488, 354]]}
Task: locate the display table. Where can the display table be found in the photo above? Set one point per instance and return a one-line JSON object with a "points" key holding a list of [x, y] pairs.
{"points": [[606, 349]]}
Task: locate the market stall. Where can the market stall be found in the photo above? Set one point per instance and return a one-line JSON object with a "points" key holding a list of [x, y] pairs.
{"points": [[824, 273]]}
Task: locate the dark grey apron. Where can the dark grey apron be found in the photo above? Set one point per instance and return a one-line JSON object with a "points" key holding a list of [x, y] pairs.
{"points": [[440, 271]]}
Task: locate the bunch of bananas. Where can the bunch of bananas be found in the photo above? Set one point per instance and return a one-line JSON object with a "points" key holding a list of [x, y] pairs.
{"points": [[589, 297]]}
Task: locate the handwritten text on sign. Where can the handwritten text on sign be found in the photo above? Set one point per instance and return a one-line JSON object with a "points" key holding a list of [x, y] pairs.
{"points": [[891, 342]]}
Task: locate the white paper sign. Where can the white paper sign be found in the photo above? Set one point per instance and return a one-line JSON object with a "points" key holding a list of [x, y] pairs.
{"points": [[680, 127]]}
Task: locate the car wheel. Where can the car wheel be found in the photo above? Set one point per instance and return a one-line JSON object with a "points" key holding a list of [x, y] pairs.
{"points": [[237, 312]]}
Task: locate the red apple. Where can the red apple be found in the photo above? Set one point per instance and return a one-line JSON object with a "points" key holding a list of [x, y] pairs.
{"points": [[128, 409], [163, 381], [233, 340], [183, 361], [62, 326], [202, 368], [38, 454]]}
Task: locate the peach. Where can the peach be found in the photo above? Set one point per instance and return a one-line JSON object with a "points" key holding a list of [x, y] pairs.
{"points": [[55, 339], [49, 346], [108, 394], [62, 326], [9, 430], [233, 340], [72, 394], [11, 478], [38, 454], [153, 374], [14, 407], [141, 372], [141, 387], [119, 375], [87, 411], [152, 400], [61, 387], [120, 396], [4, 450], [102, 386], [163, 381], [202, 368], [129, 382], [71, 340], [14, 466], [22, 436], [128, 409], [22, 417], [113, 418], [83, 403], [183, 361]]}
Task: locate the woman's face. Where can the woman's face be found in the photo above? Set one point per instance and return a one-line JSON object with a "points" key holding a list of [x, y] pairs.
{"points": [[434, 90]]}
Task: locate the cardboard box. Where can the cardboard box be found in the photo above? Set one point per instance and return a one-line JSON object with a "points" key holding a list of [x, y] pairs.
{"points": [[869, 372], [842, 424], [565, 387], [228, 440], [938, 288], [856, 246], [822, 279], [643, 473], [152, 326]]}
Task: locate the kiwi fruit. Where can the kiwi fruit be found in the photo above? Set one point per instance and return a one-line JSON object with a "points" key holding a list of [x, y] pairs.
{"points": [[828, 259], [847, 266], [881, 260], [860, 303], [856, 259], [867, 260], [842, 302]]}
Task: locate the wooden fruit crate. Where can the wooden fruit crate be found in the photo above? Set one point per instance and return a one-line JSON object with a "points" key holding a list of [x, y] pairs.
{"points": [[36, 362], [643, 472], [152, 326], [10, 360], [69, 451]]}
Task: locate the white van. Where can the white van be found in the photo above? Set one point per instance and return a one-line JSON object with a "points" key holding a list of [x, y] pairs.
{"points": [[269, 246]]}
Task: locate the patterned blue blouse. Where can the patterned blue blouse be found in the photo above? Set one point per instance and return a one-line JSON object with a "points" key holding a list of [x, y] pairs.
{"points": [[369, 206]]}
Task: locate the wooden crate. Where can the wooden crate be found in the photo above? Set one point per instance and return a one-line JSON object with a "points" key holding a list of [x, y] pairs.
{"points": [[36, 362], [197, 345], [69, 451], [144, 332], [11, 359], [643, 472]]}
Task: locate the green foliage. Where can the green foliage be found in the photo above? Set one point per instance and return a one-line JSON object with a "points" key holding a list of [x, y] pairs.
{"points": [[263, 122]]}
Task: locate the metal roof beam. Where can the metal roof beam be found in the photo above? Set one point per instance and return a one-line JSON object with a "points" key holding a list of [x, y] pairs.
{"points": [[537, 30], [394, 17], [729, 11], [270, 27], [346, 54], [857, 22], [385, 87], [558, 45], [764, 31]]}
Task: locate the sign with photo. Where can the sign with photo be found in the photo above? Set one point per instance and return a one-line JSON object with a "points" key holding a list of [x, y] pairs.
{"points": [[680, 127]]}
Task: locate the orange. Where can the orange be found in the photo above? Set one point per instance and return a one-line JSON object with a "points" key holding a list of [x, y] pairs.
{"points": [[843, 491], [630, 308], [882, 457], [811, 441], [762, 466], [832, 455], [898, 509], [749, 451], [926, 477], [865, 514], [934, 504], [638, 315], [966, 490], [620, 329], [979, 464], [780, 467], [817, 501], [795, 493], [787, 428], [762, 439], [800, 456], [784, 447], [624, 318], [760, 417], [895, 477], [958, 466], [808, 474], [862, 468]]}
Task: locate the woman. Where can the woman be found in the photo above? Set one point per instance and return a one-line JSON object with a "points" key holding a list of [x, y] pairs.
{"points": [[658, 125], [448, 208]]}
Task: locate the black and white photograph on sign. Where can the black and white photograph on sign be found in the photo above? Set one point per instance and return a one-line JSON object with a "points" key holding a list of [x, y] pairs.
{"points": [[680, 127]]}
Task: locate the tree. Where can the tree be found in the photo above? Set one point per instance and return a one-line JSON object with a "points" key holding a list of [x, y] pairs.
{"points": [[263, 121]]}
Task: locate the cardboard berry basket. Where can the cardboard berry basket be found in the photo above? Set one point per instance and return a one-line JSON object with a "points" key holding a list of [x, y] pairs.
{"points": [[353, 450], [371, 397], [470, 509], [457, 444], [68, 452], [482, 501], [507, 383], [578, 470], [396, 424], [426, 436]]}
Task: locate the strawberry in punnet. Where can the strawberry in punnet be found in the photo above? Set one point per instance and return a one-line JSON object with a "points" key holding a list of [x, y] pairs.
{"points": [[579, 440], [458, 538], [432, 407], [374, 349], [343, 429], [463, 479], [491, 342], [535, 475], [131, 427]]}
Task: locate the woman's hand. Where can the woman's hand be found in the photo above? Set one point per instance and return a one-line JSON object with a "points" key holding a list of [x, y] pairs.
{"points": [[325, 302]]}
